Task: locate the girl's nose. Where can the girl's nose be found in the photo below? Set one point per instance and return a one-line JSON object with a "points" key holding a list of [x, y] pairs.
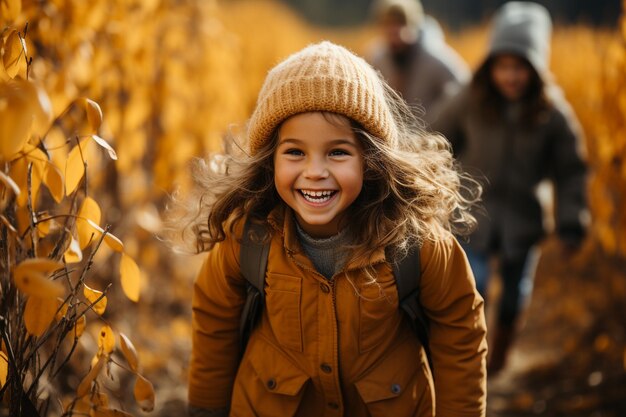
{"points": [[316, 168]]}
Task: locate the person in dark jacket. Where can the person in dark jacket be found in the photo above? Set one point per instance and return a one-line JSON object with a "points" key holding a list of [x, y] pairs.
{"points": [[413, 56], [512, 127]]}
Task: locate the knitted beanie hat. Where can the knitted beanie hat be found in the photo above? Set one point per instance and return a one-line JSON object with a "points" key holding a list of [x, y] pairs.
{"points": [[322, 77]]}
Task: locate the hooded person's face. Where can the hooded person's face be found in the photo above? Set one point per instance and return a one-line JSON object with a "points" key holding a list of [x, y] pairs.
{"points": [[510, 75], [396, 31]]}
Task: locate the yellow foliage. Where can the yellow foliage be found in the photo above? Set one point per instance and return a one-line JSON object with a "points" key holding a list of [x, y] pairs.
{"points": [[85, 384], [131, 278], [54, 181], [129, 351], [14, 51], [73, 254], [4, 368], [144, 393], [89, 210], [96, 298], [166, 80], [106, 341], [75, 166], [94, 114], [39, 313], [20, 104], [30, 277]]}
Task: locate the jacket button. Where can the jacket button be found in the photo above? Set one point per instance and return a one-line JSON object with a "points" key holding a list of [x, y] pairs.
{"points": [[271, 383], [396, 388], [325, 288], [334, 406], [326, 368]]}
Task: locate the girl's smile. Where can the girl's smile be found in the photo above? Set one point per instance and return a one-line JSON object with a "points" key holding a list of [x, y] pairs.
{"points": [[318, 170], [318, 197]]}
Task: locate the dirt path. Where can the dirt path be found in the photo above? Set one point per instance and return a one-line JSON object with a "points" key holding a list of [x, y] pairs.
{"points": [[570, 356]]}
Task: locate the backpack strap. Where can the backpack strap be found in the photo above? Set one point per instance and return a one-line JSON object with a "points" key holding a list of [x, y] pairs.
{"points": [[253, 256], [407, 272]]}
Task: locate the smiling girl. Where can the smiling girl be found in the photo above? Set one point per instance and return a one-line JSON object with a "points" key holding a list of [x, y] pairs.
{"points": [[344, 183]]}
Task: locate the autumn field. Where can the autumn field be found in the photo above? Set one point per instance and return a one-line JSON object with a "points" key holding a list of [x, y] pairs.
{"points": [[102, 106]]}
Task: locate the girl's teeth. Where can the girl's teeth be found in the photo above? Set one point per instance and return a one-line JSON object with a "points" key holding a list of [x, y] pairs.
{"points": [[317, 196]]}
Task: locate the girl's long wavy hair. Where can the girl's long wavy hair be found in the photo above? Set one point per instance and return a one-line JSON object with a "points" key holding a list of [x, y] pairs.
{"points": [[412, 190]]}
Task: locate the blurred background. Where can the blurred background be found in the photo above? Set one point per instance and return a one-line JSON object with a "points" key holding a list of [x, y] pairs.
{"points": [[456, 14], [175, 77]]}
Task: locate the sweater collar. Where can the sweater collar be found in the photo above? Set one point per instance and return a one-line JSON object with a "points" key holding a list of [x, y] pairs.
{"points": [[282, 220]]}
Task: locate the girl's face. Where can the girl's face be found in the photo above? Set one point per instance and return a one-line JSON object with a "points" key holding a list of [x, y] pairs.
{"points": [[318, 170], [511, 76]]}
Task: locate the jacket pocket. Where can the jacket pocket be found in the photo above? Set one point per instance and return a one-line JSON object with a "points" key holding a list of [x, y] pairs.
{"points": [[400, 385], [378, 304], [268, 383], [283, 295]]}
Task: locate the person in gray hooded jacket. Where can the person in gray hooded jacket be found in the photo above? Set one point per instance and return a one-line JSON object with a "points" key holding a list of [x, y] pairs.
{"points": [[512, 127]]}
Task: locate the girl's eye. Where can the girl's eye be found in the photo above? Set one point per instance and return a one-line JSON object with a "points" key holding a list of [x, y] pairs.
{"points": [[294, 152], [339, 152]]}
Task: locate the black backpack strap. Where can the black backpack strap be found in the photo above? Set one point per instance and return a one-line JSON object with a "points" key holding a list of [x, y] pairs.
{"points": [[253, 256], [408, 273]]}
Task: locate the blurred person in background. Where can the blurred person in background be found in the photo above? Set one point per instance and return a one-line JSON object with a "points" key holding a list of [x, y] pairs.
{"points": [[413, 56], [512, 127]]}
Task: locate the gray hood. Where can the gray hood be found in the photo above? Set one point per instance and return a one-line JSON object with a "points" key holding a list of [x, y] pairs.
{"points": [[525, 29]]}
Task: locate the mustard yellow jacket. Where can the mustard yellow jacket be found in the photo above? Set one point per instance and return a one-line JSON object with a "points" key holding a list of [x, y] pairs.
{"points": [[338, 347]]}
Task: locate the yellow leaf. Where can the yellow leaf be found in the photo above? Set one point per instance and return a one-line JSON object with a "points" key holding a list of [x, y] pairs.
{"points": [[14, 58], [19, 173], [79, 327], [111, 240], [31, 278], [35, 155], [18, 106], [106, 146], [129, 351], [4, 368], [144, 393], [62, 311], [85, 384], [43, 113], [9, 183], [114, 242], [99, 306], [10, 9], [38, 314], [89, 209], [94, 114], [23, 219], [75, 167], [73, 254], [54, 181], [130, 277], [38, 160], [106, 340], [43, 228]]}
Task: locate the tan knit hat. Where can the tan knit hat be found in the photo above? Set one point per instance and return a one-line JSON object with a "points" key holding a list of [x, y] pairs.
{"points": [[322, 77]]}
